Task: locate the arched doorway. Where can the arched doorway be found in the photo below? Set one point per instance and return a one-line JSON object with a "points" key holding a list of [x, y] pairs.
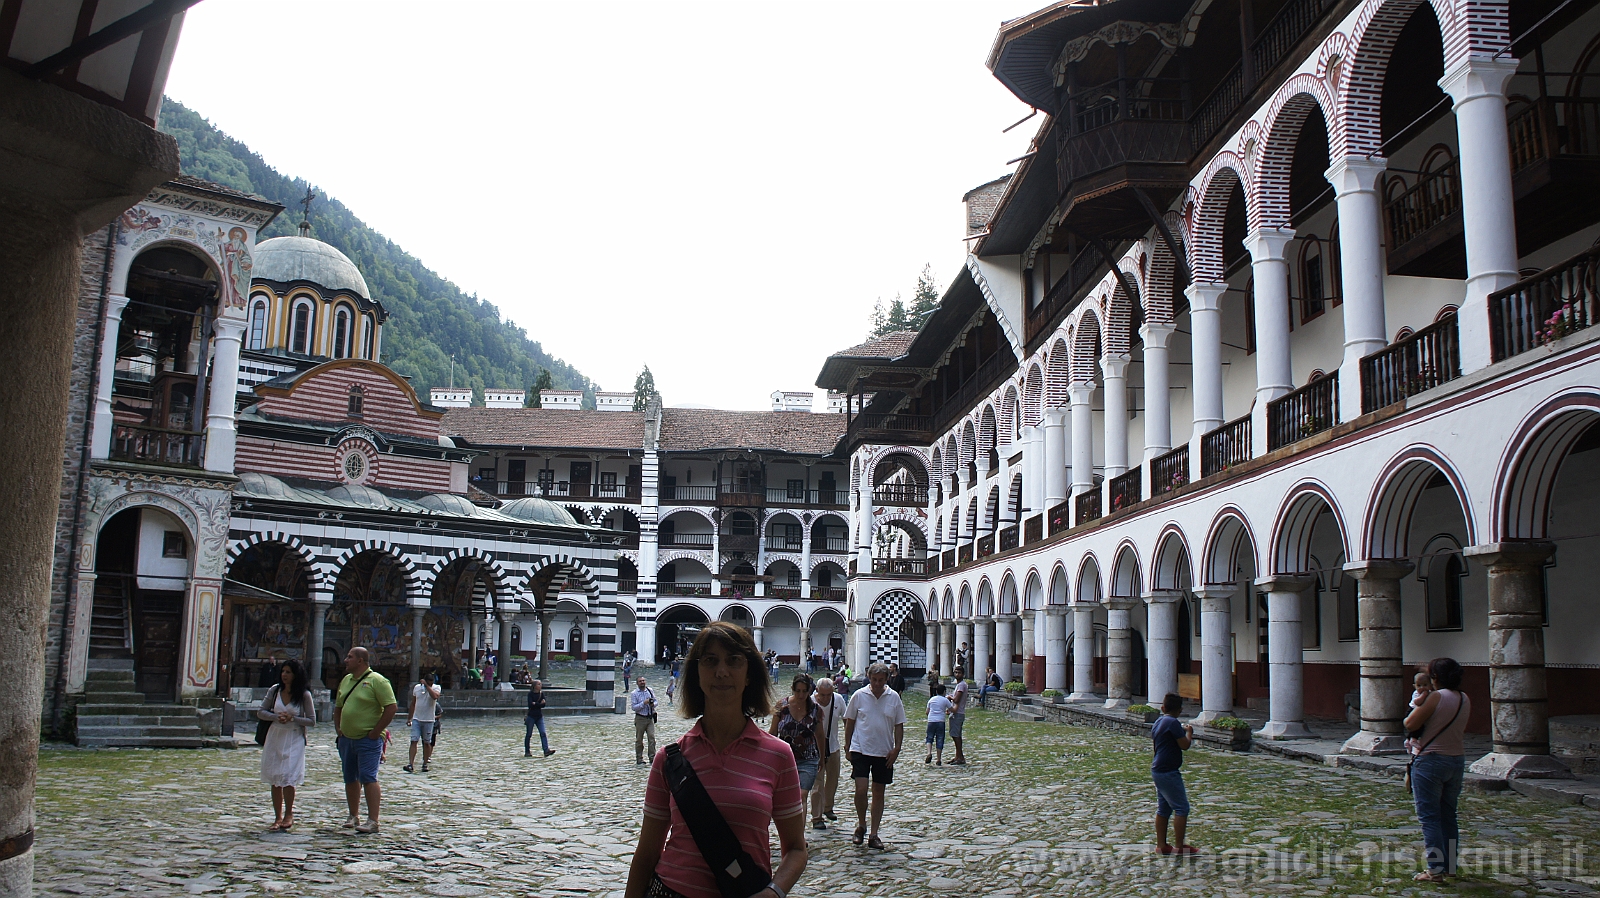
{"points": [[266, 615], [369, 609], [898, 632], [461, 589], [676, 629], [142, 565]]}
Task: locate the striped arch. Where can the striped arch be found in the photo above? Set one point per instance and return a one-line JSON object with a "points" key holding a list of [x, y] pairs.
{"points": [[570, 573], [952, 456], [1086, 347], [969, 443], [985, 604], [1033, 396], [1127, 581], [1008, 595], [1297, 519], [933, 607], [964, 604], [501, 577], [1170, 566], [1033, 591], [1228, 542], [316, 576], [1286, 116], [988, 432], [1089, 580], [1364, 60], [418, 583], [948, 606], [1161, 281], [1010, 415], [1226, 172], [1387, 528], [1119, 320], [1060, 591], [1526, 475], [1058, 375]]}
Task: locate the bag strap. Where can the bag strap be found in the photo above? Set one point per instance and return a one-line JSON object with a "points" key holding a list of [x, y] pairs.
{"points": [[736, 873], [1460, 700], [346, 697]]}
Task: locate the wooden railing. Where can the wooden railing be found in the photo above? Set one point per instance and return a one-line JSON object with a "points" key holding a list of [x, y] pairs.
{"points": [[1435, 197], [157, 446], [909, 567], [627, 587], [1088, 507], [1033, 529], [1274, 41], [1306, 412], [1009, 538], [776, 543], [829, 593], [1554, 126], [687, 540], [1547, 306], [947, 559], [1060, 517], [683, 493], [1225, 447], [738, 542], [981, 381], [784, 592], [1169, 471], [1125, 490], [964, 554], [914, 494], [834, 545], [1422, 361], [985, 546], [683, 589]]}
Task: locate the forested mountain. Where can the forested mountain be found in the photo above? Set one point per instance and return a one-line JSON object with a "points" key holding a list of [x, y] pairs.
{"points": [[430, 318]]}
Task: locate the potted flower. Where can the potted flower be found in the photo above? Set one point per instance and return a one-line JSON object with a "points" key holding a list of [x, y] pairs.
{"points": [[1014, 688], [1229, 731], [1144, 713], [1052, 695]]}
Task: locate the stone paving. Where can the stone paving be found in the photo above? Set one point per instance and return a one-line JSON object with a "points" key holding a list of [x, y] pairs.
{"points": [[1043, 809]]}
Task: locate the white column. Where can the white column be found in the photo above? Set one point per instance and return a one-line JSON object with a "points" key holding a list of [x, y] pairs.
{"points": [[1115, 368], [982, 632], [1083, 653], [947, 652], [1157, 392], [103, 420], [1082, 437], [864, 526], [863, 644], [1005, 645], [222, 398], [1161, 657], [1205, 342], [1054, 476], [1286, 695], [757, 634], [805, 565], [1274, 375], [1119, 653], [1477, 86], [1361, 270], [1055, 648], [932, 637], [1028, 637], [1216, 651], [985, 526]]}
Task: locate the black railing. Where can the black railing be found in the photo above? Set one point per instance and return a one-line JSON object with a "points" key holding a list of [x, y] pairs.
{"points": [[1435, 197], [1225, 447], [914, 494], [1545, 307], [1306, 412], [985, 546], [1033, 529], [1422, 361], [830, 593], [683, 589], [157, 446], [627, 587], [909, 567], [1088, 507], [784, 592], [679, 493], [833, 545], [1218, 106], [964, 553], [776, 543], [1060, 517], [1169, 471], [1009, 538], [687, 540], [947, 559], [1125, 490], [1280, 35]]}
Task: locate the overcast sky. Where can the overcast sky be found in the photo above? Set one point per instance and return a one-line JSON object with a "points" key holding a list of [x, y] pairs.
{"points": [[717, 190]]}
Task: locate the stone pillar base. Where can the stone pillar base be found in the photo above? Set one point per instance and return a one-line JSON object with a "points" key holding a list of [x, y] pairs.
{"points": [[1117, 704], [1208, 717], [1504, 766], [1085, 697], [1364, 743], [1284, 729]]}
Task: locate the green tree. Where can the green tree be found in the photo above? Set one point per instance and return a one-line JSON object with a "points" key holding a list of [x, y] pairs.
{"points": [[879, 320], [544, 382], [924, 299], [644, 386], [898, 319]]}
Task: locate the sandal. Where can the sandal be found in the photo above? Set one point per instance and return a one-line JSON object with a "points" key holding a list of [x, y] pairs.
{"points": [[861, 833], [875, 842], [1430, 876]]}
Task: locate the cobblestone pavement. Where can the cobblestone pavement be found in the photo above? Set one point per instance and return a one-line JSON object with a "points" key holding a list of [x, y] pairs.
{"points": [[1043, 809]]}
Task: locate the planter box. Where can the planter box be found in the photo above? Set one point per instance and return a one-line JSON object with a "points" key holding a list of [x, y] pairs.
{"points": [[1235, 740], [1146, 717]]}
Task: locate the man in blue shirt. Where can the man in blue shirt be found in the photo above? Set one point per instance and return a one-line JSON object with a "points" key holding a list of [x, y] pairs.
{"points": [[1172, 739]]}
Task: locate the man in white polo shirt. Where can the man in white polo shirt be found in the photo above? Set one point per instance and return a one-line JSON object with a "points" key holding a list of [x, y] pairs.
{"points": [[874, 730]]}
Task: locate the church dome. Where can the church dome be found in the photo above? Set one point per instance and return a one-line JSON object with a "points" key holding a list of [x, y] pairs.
{"points": [[445, 503], [356, 494], [538, 511], [286, 260]]}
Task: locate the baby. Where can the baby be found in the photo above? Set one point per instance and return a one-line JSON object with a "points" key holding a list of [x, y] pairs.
{"points": [[1424, 686]]}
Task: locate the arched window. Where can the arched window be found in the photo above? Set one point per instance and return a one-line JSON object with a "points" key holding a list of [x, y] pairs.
{"points": [[300, 328], [366, 338], [341, 333], [1441, 576], [357, 397], [258, 325], [1314, 278]]}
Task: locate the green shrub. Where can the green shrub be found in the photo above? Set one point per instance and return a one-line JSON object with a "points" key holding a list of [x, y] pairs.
{"points": [[1230, 723], [1052, 693], [561, 659], [1015, 688], [1143, 709]]}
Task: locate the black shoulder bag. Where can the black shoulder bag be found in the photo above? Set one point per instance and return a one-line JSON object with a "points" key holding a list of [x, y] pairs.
{"points": [[267, 704], [737, 874], [1460, 700]]}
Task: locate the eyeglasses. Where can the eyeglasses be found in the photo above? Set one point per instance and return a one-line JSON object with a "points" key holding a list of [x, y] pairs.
{"points": [[710, 662]]}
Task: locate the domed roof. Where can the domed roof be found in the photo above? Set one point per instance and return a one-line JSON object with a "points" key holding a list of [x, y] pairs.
{"points": [[357, 494], [264, 486], [538, 511], [449, 504], [289, 259]]}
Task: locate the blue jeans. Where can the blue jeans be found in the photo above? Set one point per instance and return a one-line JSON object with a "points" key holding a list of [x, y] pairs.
{"points": [[1436, 785], [359, 758], [936, 734], [807, 768], [1171, 798], [527, 738]]}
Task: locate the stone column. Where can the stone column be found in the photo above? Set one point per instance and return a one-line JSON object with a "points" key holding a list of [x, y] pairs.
{"points": [[805, 646], [805, 566], [1361, 269], [100, 441], [863, 646], [1477, 85], [502, 669], [1216, 652], [756, 634], [964, 635], [1005, 645], [1028, 638], [864, 526], [1385, 688], [931, 636], [320, 605], [222, 396], [1286, 695], [1274, 375], [543, 621], [416, 644], [1082, 437], [1157, 397], [1119, 652], [1083, 653], [1518, 694], [1114, 366], [1161, 659], [1055, 648], [1205, 341], [1055, 458], [947, 652], [982, 632]]}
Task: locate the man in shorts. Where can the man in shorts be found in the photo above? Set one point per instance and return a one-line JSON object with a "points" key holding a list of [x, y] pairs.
{"points": [[1172, 739], [423, 714], [362, 710], [874, 730], [959, 693]]}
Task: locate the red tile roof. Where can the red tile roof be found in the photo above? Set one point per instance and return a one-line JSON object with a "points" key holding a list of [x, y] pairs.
{"points": [[699, 429], [546, 427], [889, 346]]}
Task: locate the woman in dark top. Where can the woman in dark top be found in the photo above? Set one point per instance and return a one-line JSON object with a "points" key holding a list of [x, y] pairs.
{"points": [[1438, 769], [535, 719], [798, 723]]}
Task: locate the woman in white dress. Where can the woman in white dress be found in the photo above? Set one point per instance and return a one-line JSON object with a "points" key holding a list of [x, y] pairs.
{"points": [[283, 756]]}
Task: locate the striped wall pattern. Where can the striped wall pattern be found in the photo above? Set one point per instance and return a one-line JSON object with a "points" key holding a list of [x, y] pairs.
{"points": [[323, 463], [386, 406]]}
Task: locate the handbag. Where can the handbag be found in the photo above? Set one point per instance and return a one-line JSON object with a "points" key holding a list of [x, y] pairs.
{"points": [[1460, 700], [262, 726], [736, 873]]}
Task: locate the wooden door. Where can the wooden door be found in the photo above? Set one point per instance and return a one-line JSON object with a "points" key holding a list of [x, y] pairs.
{"points": [[580, 479], [157, 629]]}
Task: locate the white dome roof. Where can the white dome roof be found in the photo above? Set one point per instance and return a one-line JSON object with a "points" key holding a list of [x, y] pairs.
{"points": [[289, 259]]}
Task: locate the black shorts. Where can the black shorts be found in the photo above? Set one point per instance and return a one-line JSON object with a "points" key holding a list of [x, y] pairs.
{"points": [[881, 771]]}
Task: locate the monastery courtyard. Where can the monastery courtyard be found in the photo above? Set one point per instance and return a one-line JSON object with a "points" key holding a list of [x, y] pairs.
{"points": [[1042, 809]]}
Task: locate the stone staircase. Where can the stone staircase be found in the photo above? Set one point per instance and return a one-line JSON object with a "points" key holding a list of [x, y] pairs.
{"points": [[115, 713]]}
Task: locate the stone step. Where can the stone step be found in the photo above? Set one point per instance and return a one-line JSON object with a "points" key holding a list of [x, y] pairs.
{"points": [[104, 664], [87, 735], [89, 709], [146, 742], [109, 676], [1027, 714], [135, 720], [113, 697]]}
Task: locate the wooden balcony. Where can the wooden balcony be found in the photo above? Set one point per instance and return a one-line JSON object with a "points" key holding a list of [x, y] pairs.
{"points": [[683, 589], [1169, 471], [801, 498], [627, 587], [1010, 538], [783, 592], [687, 540], [745, 542], [741, 499], [783, 543], [1060, 517], [1306, 412], [904, 567], [1547, 306], [964, 553], [689, 495], [1033, 529], [1087, 505], [1225, 447], [900, 494], [985, 546], [1125, 490], [947, 559], [157, 446], [829, 593], [833, 545], [1424, 224], [1420, 362]]}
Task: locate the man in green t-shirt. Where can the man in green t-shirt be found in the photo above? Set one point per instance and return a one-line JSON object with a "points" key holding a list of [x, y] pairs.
{"points": [[362, 710]]}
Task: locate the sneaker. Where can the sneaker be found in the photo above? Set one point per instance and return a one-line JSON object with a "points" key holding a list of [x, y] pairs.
{"points": [[548, 752], [368, 825], [408, 769], [350, 822]]}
